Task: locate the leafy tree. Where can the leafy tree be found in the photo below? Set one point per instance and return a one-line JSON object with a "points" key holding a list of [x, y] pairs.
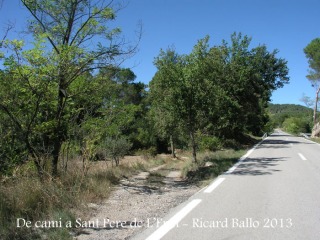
{"points": [[312, 52], [250, 77], [163, 86], [217, 92], [72, 40], [178, 91], [125, 94], [117, 148]]}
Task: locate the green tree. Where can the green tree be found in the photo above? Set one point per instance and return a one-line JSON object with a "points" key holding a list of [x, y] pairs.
{"points": [[312, 52], [72, 40], [179, 91], [124, 92], [197, 92], [220, 92], [250, 77], [162, 97]]}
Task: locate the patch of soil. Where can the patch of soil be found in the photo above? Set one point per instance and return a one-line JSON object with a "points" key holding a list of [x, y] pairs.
{"points": [[133, 205]]}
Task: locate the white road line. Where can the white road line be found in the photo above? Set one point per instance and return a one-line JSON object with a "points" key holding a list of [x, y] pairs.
{"points": [[233, 168], [242, 159], [247, 154], [167, 226], [214, 185], [301, 156]]}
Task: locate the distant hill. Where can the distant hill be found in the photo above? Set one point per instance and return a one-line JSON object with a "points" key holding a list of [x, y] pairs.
{"points": [[291, 117], [292, 110]]}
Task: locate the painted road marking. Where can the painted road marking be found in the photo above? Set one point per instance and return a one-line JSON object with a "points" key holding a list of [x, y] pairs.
{"points": [[214, 185], [243, 158], [301, 156], [247, 154], [234, 167], [167, 226]]}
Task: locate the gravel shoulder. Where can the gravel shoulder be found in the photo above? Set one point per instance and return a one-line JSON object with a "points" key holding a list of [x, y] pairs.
{"points": [[133, 205]]}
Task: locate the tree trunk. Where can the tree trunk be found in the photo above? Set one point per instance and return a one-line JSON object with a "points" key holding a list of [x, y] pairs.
{"points": [[35, 157], [58, 131], [55, 157], [316, 108], [172, 147], [194, 147], [316, 130]]}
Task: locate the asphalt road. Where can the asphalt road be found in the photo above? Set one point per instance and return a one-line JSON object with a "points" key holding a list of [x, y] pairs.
{"points": [[272, 193]]}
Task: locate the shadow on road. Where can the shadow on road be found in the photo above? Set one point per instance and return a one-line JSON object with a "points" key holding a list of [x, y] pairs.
{"points": [[277, 143], [258, 166]]}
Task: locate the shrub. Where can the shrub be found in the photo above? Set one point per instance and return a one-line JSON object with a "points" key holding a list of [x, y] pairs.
{"points": [[147, 153], [232, 143], [117, 148], [296, 125], [209, 143]]}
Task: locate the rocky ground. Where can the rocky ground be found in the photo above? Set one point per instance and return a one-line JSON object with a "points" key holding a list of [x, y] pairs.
{"points": [[134, 204]]}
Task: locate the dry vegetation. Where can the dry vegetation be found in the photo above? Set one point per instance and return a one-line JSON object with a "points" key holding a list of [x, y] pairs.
{"points": [[25, 196], [317, 140]]}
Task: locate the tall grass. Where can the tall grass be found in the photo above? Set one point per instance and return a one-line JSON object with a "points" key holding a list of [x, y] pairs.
{"points": [[31, 200], [65, 198], [220, 161], [317, 140], [25, 196]]}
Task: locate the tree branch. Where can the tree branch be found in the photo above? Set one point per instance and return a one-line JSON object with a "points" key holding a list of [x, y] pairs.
{"points": [[41, 24]]}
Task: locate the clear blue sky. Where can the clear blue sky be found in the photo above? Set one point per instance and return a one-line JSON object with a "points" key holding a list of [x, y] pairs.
{"points": [[286, 25]]}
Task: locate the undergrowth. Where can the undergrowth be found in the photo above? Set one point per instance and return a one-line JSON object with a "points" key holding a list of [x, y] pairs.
{"points": [[219, 162], [24, 197]]}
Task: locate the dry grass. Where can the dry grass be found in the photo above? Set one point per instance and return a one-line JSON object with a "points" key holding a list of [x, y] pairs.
{"points": [[317, 140], [65, 198], [221, 161]]}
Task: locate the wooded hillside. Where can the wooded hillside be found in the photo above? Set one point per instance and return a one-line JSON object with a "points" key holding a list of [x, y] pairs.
{"points": [[293, 118]]}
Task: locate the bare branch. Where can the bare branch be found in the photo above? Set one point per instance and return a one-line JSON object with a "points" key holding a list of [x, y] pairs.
{"points": [[6, 32], [33, 13]]}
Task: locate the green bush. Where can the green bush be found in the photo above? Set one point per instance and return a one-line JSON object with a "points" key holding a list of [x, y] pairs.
{"points": [[117, 148], [209, 143], [147, 153], [232, 143], [296, 125]]}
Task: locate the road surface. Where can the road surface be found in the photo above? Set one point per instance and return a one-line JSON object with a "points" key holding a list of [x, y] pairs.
{"points": [[272, 193]]}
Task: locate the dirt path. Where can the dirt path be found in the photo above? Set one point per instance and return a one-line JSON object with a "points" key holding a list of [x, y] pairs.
{"points": [[134, 204]]}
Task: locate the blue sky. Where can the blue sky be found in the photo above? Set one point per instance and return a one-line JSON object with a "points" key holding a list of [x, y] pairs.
{"points": [[286, 25]]}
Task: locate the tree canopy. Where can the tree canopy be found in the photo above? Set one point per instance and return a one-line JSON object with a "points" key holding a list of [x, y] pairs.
{"points": [[312, 52], [51, 87], [220, 91], [67, 91]]}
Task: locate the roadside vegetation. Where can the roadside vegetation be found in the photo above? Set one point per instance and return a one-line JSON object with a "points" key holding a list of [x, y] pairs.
{"points": [[25, 196], [69, 113], [294, 119], [50, 205], [317, 140]]}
